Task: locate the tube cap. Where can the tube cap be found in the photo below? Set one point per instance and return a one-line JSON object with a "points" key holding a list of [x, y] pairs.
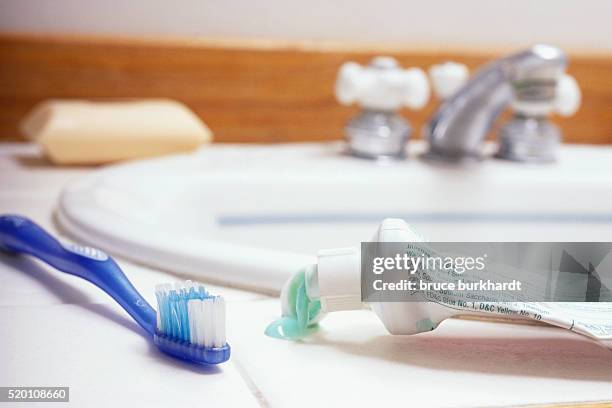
{"points": [[339, 276]]}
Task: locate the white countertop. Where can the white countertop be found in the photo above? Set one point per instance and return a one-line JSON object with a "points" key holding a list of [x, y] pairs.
{"points": [[58, 330]]}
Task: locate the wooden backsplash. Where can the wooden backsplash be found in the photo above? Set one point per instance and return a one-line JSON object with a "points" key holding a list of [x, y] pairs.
{"points": [[245, 91]]}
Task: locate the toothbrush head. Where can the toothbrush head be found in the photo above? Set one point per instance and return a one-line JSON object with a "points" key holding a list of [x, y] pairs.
{"points": [[191, 323]]}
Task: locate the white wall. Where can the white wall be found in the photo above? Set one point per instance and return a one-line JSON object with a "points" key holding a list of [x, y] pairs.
{"points": [[576, 24]]}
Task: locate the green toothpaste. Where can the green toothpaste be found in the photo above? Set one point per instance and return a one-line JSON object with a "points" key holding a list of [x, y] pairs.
{"points": [[300, 314]]}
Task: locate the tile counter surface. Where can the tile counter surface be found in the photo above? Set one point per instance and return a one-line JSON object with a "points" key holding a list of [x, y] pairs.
{"points": [[59, 330]]}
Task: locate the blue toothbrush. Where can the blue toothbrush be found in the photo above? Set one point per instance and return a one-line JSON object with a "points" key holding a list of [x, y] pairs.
{"points": [[190, 324]]}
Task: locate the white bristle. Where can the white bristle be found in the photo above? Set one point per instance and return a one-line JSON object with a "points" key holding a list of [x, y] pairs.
{"points": [[207, 322], [219, 322]]}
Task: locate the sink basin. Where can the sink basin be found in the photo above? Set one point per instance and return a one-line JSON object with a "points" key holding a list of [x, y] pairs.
{"points": [[250, 216]]}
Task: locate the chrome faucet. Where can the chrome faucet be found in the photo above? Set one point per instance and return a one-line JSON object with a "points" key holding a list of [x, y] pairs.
{"points": [[532, 82]]}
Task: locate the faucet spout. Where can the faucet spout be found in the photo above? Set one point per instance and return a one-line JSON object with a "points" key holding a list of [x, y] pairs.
{"points": [[457, 130]]}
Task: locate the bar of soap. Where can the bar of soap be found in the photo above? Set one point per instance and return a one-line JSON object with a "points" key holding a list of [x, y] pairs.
{"points": [[87, 132]]}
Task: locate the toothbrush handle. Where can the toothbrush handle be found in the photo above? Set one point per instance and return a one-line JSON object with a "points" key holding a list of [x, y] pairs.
{"points": [[21, 235]]}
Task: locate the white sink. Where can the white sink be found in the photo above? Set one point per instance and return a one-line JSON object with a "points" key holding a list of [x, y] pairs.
{"points": [[250, 215]]}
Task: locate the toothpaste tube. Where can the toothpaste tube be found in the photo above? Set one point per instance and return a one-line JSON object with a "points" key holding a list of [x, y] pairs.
{"points": [[336, 283]]}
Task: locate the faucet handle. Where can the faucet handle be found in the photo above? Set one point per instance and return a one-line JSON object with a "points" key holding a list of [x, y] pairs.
{"points": [[530, 136], [382, 85], [448, 78], [568, 96], [539, 98]]}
